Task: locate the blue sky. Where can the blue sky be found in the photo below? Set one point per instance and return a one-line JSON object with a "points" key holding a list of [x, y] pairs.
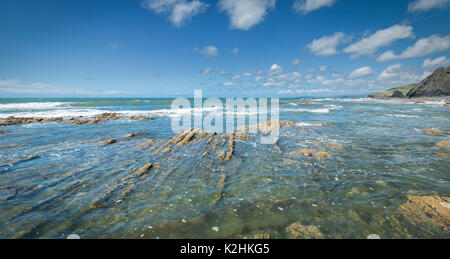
{"points": [[168, 48]]}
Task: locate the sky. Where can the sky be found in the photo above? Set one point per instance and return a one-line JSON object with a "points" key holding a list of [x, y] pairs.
{"points": [[227, 48]]}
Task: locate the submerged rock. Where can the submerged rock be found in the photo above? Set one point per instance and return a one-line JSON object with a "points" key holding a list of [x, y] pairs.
{"points": [[265, 127], [442, 154], [130, 135], [434, 131], [296, 230], [143, 169], [310, 153], [3, 132], [261, 235], [109, 142], [427, 212], [444, 144], [147, 144]]}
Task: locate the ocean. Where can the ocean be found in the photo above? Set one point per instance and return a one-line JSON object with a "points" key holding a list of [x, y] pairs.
{"points": [[377, 155]]}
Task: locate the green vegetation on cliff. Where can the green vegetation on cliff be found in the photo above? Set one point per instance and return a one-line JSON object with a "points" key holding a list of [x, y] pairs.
{"points": [[388, 93]]}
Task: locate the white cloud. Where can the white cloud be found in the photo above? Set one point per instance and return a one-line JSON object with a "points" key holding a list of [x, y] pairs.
{"points": [[179, 11], [208, 51], [362, 72], [275, 69], [236, 77], [422, 47], [206, 71], [288, 76], [15, 86], [247, 74], [306, 6], [273, 82], [223, 72], [235, 51], [396, 75], [245, 14], [230, 84], [426, 5], [381, 38], [326, 45], [323, 69], [296, 62], [435, 63], [259, 79]]}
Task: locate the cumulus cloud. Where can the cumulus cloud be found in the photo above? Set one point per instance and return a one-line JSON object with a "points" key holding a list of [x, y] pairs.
{"points": [[236, 77], [422, 47], [435, 63], [396, 75], [259, 79], [247, 74], [381, 38], [426, 5], [275, 69], [245, 14], [179, 11], [306, 6], [235, 51], [208, 51], [326, 45], [323, 69], [362, 72]]}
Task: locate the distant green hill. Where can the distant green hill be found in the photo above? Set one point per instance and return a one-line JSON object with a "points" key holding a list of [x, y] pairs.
{"points": [[388, 93]]}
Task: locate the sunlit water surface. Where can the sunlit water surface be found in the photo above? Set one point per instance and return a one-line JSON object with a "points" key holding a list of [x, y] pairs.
{"points": [[77, 185]]}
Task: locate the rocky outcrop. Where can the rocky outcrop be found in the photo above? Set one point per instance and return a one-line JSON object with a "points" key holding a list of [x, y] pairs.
{"points": [[427, 212], [297, 230], [18, 121], [310, 153], [80, 120], [397, 94], [437, 84]]}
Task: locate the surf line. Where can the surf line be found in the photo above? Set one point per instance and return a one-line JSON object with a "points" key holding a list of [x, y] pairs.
{"points": [[237, 111]]}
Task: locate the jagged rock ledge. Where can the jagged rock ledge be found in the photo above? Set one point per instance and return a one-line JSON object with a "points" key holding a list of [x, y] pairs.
{"points": [[74, 120]]}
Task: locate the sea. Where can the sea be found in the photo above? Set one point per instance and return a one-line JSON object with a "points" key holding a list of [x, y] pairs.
{"points": [[58, 179]]}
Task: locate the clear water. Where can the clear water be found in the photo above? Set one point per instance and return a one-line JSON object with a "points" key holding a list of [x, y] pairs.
{"points": [[78, 185]]}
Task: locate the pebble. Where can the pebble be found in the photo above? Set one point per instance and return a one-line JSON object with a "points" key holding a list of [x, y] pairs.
{"points": [[73, 236], [373, 236]]}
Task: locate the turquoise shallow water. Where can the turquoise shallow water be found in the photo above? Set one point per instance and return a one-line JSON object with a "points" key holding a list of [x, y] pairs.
{"points": [[78, 185]]}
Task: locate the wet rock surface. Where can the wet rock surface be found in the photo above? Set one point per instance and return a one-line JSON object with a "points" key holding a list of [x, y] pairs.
{"points": [[79, 120], [427, 212], [298, 231], [434, 131]]}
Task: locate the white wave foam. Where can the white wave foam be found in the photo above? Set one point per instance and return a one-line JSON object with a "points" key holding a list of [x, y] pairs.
{"points": [[322, 110], [68, 113], [33, 105], [305, 124], [401, 116]]}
